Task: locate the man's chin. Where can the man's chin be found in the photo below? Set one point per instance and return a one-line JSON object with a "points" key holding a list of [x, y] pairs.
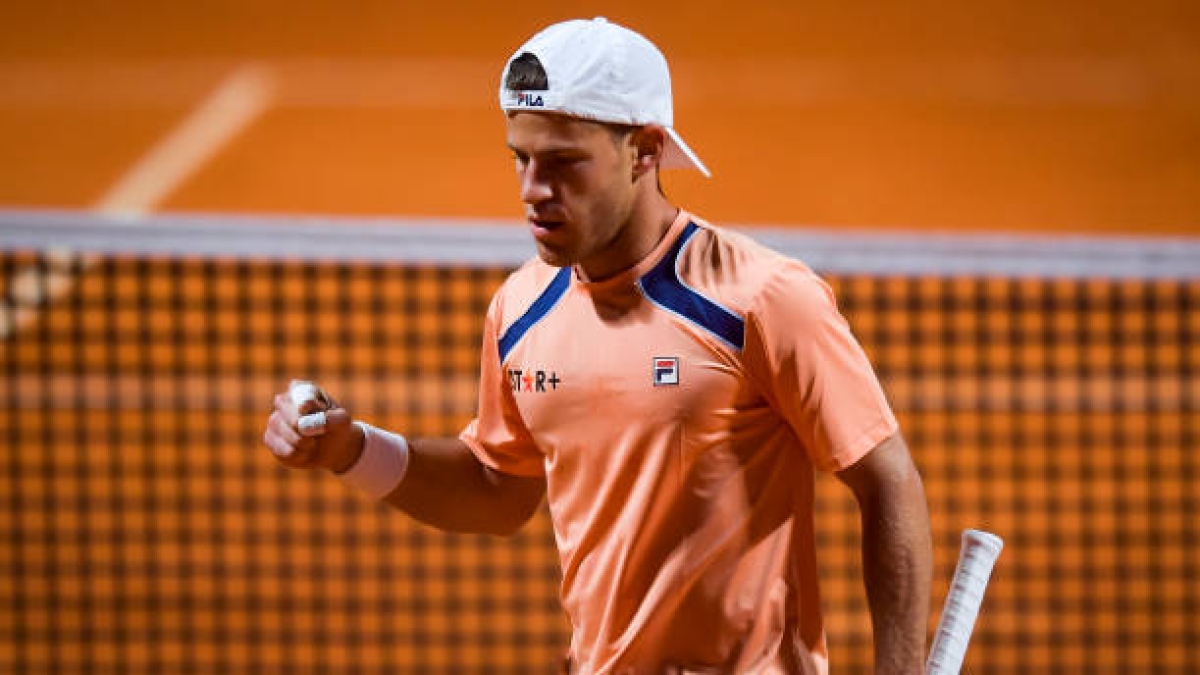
{"points": [[553, 257]]}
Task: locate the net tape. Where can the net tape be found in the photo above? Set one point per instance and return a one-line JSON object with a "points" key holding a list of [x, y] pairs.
{"points": [[505, 243]]}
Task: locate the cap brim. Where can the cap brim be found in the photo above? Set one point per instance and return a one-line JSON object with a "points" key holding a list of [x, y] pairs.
{"points": [[678, 155]]}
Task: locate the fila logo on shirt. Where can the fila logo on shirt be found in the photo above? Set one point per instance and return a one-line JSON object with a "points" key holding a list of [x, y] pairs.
{"points": [[534, 381], [666, 370]]}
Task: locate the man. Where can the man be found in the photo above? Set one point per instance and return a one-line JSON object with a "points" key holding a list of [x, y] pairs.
{"points": [[668, 386]]}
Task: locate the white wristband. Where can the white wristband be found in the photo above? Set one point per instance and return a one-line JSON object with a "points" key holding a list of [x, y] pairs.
{"points": [[382, 464]]}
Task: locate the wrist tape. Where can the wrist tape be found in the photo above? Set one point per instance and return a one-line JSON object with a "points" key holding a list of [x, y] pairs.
{"points": [[382, 464]]}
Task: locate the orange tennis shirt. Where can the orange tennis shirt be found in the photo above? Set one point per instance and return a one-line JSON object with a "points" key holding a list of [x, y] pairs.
{"points": [[677, 411]]}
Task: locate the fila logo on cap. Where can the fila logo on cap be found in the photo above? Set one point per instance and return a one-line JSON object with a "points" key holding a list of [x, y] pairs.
{"points": [[666, 370], [528, 100]]}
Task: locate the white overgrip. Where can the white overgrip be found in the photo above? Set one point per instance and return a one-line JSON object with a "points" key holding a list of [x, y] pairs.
{"points": [[976, 559]]}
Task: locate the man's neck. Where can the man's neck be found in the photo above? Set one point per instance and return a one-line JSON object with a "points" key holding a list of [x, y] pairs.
{"points": [[638, 238]]}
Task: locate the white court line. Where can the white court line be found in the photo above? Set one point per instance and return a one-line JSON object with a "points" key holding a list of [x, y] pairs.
{"points": [[239, 99]]}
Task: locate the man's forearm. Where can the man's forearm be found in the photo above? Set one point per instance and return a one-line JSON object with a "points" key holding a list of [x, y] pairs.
{"points": [[447, 487], [897, 565]]}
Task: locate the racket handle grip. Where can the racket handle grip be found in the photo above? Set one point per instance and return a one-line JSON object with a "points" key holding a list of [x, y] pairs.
{"points": [[976, 559]]}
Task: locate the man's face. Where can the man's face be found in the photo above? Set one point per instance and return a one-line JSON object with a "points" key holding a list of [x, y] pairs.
{"points": [[577, 183]]}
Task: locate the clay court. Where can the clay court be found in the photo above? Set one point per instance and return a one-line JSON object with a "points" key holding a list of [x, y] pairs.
{"points": [[1003, 116]]}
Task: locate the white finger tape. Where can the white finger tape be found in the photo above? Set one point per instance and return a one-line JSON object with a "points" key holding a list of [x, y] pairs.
{"points": [[303, 392], [311, 425]]}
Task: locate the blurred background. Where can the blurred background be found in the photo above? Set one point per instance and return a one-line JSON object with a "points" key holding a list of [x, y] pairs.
{"points": [[182, 184], [983, 116]]}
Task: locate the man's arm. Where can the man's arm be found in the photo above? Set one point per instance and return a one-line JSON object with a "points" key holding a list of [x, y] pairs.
{"points": [[447, 487], [444, 484], [897, 553]]}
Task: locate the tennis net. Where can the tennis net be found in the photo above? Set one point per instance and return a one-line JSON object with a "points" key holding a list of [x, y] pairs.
{"points": [[1048, 388]]}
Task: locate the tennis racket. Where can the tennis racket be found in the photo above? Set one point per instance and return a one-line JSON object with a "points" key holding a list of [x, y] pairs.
{"points": [[976, 559]]}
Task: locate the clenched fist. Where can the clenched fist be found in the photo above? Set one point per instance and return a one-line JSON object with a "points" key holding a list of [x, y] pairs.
{"points": [[307, 429]]}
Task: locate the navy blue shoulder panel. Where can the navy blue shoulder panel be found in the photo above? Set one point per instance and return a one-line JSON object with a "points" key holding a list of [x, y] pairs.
{"points": [[664, 288], [536, 312]]}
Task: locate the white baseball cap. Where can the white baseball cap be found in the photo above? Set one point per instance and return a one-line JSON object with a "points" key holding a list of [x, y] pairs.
{"points": [[601, 71]]}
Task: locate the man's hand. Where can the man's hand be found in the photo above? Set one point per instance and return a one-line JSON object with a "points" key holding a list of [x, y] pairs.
{"points": [[333, 446], [444, 483]]}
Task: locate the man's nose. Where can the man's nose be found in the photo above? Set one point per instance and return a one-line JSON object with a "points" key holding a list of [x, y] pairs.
{"points": [[534, 186]]}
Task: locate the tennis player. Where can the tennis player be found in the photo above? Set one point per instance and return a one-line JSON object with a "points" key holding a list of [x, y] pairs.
{"points": [[669, 386]]}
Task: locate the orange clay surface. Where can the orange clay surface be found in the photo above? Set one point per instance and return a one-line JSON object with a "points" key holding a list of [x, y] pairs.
{"points": [[984, 116]]}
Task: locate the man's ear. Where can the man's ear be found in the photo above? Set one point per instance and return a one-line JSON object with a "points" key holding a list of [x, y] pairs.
{"points": [[648, 142]]}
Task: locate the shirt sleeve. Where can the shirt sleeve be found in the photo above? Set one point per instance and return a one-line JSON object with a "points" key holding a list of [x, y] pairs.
{"points": [[813, 371], [498, 435]]}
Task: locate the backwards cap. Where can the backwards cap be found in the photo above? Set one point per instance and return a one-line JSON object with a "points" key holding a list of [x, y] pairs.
{"points": [[600, 71]]}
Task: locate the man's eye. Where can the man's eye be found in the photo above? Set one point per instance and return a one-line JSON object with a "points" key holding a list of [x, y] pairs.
{"points": [[565, 160]]}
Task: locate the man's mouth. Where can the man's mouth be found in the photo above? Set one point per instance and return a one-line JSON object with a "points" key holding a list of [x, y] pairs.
{"points": [[543, 227], [545, 223]]}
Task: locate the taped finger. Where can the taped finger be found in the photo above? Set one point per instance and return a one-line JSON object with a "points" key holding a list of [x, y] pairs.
{"points": [[302, 392], [312, 425]]}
